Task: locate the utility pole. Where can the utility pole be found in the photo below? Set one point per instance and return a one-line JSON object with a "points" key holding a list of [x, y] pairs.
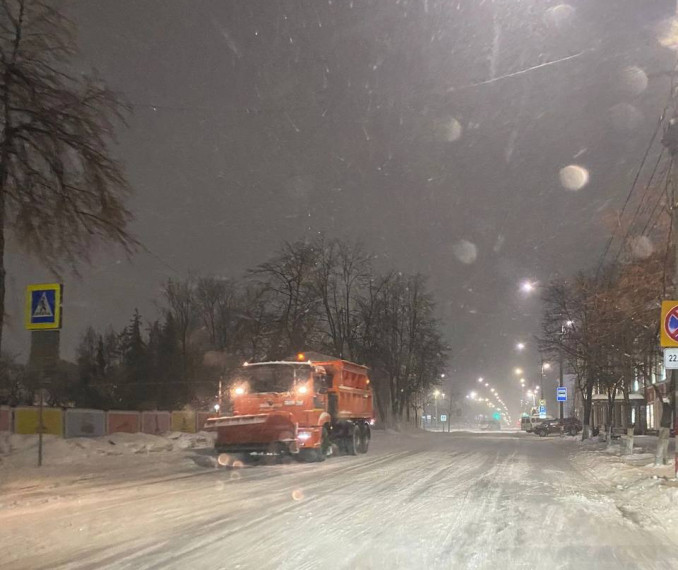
{"points": [[449, 417], [541, 385], [560, 378], [670, 141]]}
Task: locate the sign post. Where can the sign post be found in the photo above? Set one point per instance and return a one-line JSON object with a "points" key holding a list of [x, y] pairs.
{"points": [[43, 319], [561, 394], [669, 341]]}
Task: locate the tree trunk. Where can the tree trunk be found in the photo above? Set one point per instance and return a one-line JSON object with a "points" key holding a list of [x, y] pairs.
{"points": [[2, 255], [4, 160], [588, 400]]}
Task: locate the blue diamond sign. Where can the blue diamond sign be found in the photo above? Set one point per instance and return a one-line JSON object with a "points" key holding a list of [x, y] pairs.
{"points": [[43, 306]]}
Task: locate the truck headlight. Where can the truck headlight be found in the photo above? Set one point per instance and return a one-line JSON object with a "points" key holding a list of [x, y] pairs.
{"points": [[304, 435]]}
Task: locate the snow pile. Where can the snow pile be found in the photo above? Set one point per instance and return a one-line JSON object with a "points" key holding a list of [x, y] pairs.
{"points": [[644, 494], [183, 440], [17, 450]]}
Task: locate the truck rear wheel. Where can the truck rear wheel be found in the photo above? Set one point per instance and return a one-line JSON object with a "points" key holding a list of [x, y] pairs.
{"points": [[365, 436], [352, 442]]}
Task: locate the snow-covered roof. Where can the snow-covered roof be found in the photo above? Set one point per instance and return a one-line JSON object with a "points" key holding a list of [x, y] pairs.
{"points": [[619, 397]]}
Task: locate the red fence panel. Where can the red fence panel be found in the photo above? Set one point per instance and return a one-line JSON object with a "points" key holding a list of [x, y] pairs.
{"points": [[5, 418], [121, 421], [155, 422], [201, 418]]}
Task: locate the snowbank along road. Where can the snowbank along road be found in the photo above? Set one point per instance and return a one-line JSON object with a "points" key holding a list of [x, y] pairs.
{"points": [[427, 501]]}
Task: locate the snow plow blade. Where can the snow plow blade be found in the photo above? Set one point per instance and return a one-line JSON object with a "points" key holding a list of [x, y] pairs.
{"points": [[252, 433]]}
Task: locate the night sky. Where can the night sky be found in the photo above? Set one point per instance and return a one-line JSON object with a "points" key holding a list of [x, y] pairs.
{"points": [[433, 131]]}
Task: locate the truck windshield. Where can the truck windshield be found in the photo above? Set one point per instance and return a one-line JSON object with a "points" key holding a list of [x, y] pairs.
{"points": [[273, 377]]}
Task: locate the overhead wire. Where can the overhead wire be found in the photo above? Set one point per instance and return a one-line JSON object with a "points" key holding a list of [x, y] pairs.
{"points": [[661, 195], [633, 185], [641, 205], [668, 240]]}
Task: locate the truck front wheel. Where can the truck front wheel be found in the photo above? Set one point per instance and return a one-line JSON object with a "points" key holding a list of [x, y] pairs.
{"points": [[318, 454]]}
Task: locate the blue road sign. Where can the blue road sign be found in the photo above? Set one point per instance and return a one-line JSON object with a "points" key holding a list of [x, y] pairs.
{"points": [[561, 393], [542, 412], [43, 306]]}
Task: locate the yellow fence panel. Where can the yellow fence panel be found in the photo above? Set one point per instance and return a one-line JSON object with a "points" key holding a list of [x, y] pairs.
{"points": [[26, 420], [183, 421]]}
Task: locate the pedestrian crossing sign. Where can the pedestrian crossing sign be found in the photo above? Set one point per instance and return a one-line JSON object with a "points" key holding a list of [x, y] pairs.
{"points": [[43, 306]]}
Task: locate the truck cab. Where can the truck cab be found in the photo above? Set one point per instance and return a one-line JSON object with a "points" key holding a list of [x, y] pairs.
{"points": [[299, 406]]}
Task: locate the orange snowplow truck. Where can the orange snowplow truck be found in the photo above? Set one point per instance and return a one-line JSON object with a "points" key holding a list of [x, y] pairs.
{"points": [[299, 406]]}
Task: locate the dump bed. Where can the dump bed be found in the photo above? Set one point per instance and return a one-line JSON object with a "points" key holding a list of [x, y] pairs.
{"points": [[351, 386]]}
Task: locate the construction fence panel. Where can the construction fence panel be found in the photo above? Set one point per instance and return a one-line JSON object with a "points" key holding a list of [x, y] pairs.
{"points": [[123, 421], [155, 422], [183, 421], [201, 419], [84, 423], [26, 420], [5, 418]]}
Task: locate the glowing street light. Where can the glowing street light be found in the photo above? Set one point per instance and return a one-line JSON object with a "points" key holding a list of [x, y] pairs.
{"points": [[518, 371], [527, 287], [520, 346], [480, 380], [546, 366]]}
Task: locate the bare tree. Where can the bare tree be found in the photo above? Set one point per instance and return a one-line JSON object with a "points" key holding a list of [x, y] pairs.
{"points": [[293, 302], [60, 190], [400, 340], [342, 271], [180, 297]]}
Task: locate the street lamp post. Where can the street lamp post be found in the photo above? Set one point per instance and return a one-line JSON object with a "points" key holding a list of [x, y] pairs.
{"points": [[544, 366]]}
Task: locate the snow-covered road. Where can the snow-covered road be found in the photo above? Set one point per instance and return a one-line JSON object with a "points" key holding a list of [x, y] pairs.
{"points": [[460, 500]]}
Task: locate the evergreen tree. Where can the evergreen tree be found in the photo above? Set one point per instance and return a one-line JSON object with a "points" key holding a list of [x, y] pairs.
{"points": [[135, 364]]}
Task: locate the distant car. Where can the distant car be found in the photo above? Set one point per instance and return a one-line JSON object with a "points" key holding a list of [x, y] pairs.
{"points": [[491, 425]]}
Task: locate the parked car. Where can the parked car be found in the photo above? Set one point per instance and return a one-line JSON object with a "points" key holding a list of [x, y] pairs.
{"points": [[569, 426], [529, 423], [547, 427]]}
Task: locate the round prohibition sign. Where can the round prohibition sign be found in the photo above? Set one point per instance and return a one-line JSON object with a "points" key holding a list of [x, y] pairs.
{"points": [[671, 324]]}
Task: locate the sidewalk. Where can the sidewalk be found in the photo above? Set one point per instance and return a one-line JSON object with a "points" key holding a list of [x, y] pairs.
{"points": [[645, 494]]}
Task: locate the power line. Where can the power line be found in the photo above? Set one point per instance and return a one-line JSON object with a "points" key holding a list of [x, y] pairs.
{"points": [[659, 199], [633, 185], [641, 203]]}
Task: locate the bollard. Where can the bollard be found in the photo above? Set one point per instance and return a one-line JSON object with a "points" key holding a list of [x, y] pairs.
{"points": [[627, 444], [661, 455]]}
